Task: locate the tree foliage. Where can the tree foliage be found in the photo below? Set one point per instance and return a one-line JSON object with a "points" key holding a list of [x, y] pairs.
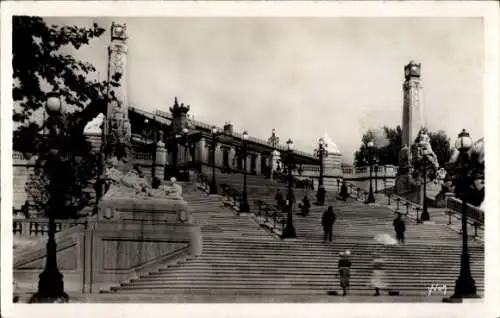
{"points": [[440, 144], [388, 146], [39, 66]]}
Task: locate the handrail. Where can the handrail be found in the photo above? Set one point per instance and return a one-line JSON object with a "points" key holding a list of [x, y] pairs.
{"points": [[473, 212], [270, 212]]}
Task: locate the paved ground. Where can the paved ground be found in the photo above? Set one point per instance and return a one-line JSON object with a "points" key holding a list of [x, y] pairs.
{"points": [[137, 298]]}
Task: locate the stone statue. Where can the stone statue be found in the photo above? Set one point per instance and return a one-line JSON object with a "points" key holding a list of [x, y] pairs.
{"points": [[95, 125], [132, 183], [424, 143]]}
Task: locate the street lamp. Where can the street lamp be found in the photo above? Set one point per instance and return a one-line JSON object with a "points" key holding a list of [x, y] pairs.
{"points": [[185, 139], [465, 286], [214, 133], [321, 152], [423, 156], [51, 284], [289, 231], [153, 133], [244, 207], [371, 147]]}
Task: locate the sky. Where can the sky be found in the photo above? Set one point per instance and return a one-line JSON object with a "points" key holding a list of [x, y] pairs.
{"points": [[302, 76]]}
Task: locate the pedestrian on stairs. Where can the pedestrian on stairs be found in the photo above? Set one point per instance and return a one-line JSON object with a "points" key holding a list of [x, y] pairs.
{"points": [[305, 206], [399, 228], [378, 279], [327, 222], [345, 271], [343, 191]]}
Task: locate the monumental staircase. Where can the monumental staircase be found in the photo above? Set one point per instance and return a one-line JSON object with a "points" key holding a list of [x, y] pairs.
{"points": [[243, 260], [240, 260]]}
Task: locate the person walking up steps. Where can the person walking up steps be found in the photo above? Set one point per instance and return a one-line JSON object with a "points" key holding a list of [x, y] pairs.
{"points": [[327, 222], [345, 271], [378, 279], [399, 228]]}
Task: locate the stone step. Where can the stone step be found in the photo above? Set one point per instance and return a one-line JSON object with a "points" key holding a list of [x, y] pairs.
{"points": [[271, 277]]}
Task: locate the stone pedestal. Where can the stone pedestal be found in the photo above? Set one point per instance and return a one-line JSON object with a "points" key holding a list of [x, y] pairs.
{"points": [[275, 157], [95, 139], [161, 158]]}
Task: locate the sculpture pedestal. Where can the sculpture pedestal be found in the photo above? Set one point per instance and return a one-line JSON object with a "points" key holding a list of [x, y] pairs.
{"points": [[403, 183]]}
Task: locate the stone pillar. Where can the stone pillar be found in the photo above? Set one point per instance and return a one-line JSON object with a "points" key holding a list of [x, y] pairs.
{"points": [[232, 153], [161, 158], [201, 150], [257, 164], [413, 119], [95, 139], [118, 129], [218, 156], [275, 156]]}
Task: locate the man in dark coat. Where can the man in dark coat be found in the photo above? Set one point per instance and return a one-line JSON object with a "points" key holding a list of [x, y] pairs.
{"points": [[399, 228], [327, 222], [343, 191], [305, 206]]}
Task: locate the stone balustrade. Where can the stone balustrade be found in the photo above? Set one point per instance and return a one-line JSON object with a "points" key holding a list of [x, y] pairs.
{"points": [[473, 212], [38, 227]]}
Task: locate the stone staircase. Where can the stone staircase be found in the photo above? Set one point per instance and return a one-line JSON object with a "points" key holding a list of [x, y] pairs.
{"points": [[242, 259]]}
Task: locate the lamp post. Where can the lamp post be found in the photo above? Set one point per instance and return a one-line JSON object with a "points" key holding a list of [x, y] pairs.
{"points": [[244, 207], [51, 284], [153, 133], [321, 152], [289, 231], [425, 211], [213, 145], [185, 139], [371, 147], [465, 286]]}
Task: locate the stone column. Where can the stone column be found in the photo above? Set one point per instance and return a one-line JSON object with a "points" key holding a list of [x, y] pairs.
{"points": [[201, 151], [218, 156], [232, 153], [161, 158], [275, 156], [257, 164], [118, 129]]}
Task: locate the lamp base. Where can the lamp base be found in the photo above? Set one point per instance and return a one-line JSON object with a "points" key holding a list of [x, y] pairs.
{"points": [[213, 189], [465, 287], [244, 207], [50, 288], [289, 230], [425, 216], [37, 298]]}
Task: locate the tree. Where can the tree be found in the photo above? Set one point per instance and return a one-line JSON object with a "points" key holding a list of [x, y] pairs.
{"points": [[388, 143], [440, 144], [39, 66], [387, 146]]}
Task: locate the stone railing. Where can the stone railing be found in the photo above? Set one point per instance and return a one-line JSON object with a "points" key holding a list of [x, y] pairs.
{"points": [[387, 171], [39, 227], [473, 212]]}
